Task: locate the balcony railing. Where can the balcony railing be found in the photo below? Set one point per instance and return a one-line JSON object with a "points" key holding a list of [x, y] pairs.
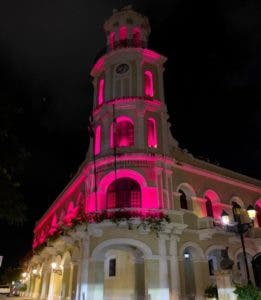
{"points": [[129, 43]]}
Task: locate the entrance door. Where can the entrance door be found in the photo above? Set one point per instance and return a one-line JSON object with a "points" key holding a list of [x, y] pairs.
{"points": [[256, 263]]}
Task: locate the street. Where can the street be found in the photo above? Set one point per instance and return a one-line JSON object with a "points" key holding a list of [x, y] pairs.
{"points": [[2, 297]]}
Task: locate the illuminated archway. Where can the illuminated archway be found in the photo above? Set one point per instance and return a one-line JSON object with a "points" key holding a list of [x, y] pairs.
{"points": [[123, 193]]}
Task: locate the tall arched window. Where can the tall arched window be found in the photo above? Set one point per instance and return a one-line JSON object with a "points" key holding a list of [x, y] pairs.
{"points": [[148, 78], [123, 193], [122, 132], [183, 200], [101, 91], [152, 133], [97, 140], [136, 37], [123, 36], [209, 207]]}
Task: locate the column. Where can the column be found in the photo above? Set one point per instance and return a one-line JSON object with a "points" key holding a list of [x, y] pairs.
{"points": [[45, 284], [163, 268], [174, 268], [140, 138], [82, 278], [70, 287], [201, 277]]}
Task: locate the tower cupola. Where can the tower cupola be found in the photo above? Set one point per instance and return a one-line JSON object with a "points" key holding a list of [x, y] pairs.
{"points": [[126, 28]]}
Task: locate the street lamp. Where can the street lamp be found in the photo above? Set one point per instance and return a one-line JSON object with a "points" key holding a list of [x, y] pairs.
{"points": [[240, 227]]}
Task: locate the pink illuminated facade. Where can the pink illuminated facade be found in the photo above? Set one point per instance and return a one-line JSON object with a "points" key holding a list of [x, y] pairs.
{"points": [[141, 218]]}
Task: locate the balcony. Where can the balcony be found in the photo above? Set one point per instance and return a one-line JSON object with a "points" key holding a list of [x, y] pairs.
{"points": [[129, 43]]}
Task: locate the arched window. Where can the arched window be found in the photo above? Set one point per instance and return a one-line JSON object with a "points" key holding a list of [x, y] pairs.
{"points": [[209, 207], [152, 133], [123, 192], [122, 133], [183, 200], [148, 83], [97, 140], [101, 92], [136, 37], [112, 40], [112, 267], [123, 36]]}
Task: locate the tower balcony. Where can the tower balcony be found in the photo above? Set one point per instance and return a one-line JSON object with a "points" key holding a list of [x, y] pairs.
{"points": [[128, 43]]}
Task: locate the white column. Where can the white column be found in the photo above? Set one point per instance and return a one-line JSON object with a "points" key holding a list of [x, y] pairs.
{"points": [[140, 138], [69, 295], [174, 268], [82, 278], [163, 269]]}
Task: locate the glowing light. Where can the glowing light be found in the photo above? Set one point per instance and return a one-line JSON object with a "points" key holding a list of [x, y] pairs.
{"points": [[112, 40], [97, 140], [24, 274], [186, 255], [54, 265], [34, 271], [151, 54], [251, 212], [123, 34], [148, 83], [122, 132], [98, 67], [152, 133], [101, 92], [225, 218]]}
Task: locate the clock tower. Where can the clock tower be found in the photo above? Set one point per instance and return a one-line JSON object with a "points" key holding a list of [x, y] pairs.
{"points": [[131, 135]]}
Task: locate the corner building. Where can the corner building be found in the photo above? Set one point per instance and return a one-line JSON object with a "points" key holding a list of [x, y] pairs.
{"points": [[141, 219]]}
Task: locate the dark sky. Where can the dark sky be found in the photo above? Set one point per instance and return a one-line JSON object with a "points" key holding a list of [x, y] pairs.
{"points": [[212, 86]]}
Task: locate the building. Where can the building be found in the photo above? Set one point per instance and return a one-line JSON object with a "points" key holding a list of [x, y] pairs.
{"points": [[141, 219]]}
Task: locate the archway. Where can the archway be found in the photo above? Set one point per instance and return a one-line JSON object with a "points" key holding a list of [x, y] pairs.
{"points": [[123, 193], [192, 270], [121, 263]]}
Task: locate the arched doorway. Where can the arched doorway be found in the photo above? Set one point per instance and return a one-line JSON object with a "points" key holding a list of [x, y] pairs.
{"points": [[117, 270], [189, 275], [256, 262]]}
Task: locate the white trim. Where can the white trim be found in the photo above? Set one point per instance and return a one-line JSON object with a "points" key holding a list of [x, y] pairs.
{"points": [[98, 250]]}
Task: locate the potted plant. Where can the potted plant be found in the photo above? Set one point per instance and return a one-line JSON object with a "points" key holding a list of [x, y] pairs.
{"points": [[211, 292], [247, 292]]}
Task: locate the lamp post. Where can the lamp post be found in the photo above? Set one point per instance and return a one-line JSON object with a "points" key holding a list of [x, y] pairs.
{"points": [[240, 227]]}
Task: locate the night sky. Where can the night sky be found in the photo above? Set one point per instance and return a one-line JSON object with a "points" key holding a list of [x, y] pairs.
{"points": [[212, 87]]}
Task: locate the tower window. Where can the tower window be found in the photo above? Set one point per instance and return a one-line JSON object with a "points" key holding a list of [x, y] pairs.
{"points": [[97, 140], [209, 208], [183, 200], [112, 40], [148, 84], [152, 133], [136, 37], [123, 36], [101, 92], [122, 133], [112, 267], [123, 193]]}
